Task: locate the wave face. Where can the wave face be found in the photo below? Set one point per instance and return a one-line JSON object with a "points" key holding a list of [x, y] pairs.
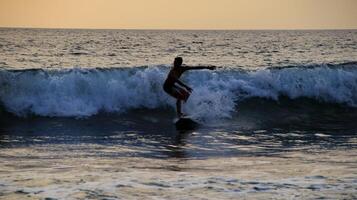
{"points": [[84, 92]]}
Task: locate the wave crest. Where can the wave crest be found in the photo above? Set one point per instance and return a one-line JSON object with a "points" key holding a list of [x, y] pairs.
{"points": [[84, 92]]}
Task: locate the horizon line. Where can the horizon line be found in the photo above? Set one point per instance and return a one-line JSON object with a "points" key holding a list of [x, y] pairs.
{"points": [[180, 29]]}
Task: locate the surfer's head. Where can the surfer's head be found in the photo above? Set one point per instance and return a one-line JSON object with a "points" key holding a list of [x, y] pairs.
{"points": [[178, 62]]}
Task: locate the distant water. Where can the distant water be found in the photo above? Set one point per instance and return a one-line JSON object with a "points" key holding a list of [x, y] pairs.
{"points": [[51, 48], [83, 115]]}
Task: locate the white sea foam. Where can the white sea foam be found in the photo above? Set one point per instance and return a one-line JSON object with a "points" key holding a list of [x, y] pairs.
{"points": [[84, 92]]}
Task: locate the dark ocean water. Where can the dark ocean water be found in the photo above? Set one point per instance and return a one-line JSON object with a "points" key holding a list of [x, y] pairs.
{"points": [[83, 114]]}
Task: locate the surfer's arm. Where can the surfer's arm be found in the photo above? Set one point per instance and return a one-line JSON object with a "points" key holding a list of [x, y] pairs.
{"points": [[200, 67]]}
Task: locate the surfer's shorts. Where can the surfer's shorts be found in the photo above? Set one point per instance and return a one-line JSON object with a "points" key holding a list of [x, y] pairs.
{"points": [[177, 92]]}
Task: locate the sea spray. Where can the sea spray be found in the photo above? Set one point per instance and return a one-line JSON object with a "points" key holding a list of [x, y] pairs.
{"points": [[82, 92]]}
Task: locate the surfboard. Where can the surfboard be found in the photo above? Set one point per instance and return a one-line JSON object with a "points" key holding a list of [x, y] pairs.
{"points": [[185, 123]]}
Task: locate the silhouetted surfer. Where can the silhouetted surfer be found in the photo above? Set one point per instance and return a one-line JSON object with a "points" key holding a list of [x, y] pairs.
{"points": [[181, 91]]}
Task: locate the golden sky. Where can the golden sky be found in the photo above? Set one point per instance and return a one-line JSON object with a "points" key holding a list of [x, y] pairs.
{"points": [[180, 14]]}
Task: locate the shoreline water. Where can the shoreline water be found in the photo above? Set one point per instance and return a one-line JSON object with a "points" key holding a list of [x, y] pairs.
{"points": [[316, 173], [132, 157]]}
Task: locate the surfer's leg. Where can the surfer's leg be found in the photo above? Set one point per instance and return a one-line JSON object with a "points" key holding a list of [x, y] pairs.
{"points": [[178, 93], [173, 91], [178, 108], [183, 94]]}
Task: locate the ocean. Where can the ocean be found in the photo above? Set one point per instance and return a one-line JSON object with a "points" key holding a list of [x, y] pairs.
{"points": [[83, 114]]}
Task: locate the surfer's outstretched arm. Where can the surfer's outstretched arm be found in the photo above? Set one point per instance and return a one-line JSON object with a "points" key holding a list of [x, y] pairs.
{"points": [[200, 67]]}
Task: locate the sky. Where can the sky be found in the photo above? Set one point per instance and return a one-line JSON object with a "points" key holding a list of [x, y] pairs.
{"points": [[180, 14]]}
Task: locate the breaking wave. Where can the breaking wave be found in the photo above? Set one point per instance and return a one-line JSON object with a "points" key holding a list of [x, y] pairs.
{"points": [[81, 92]]}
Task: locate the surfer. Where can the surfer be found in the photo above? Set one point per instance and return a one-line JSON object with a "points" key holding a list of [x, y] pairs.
{"points": [[181, 91]]}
